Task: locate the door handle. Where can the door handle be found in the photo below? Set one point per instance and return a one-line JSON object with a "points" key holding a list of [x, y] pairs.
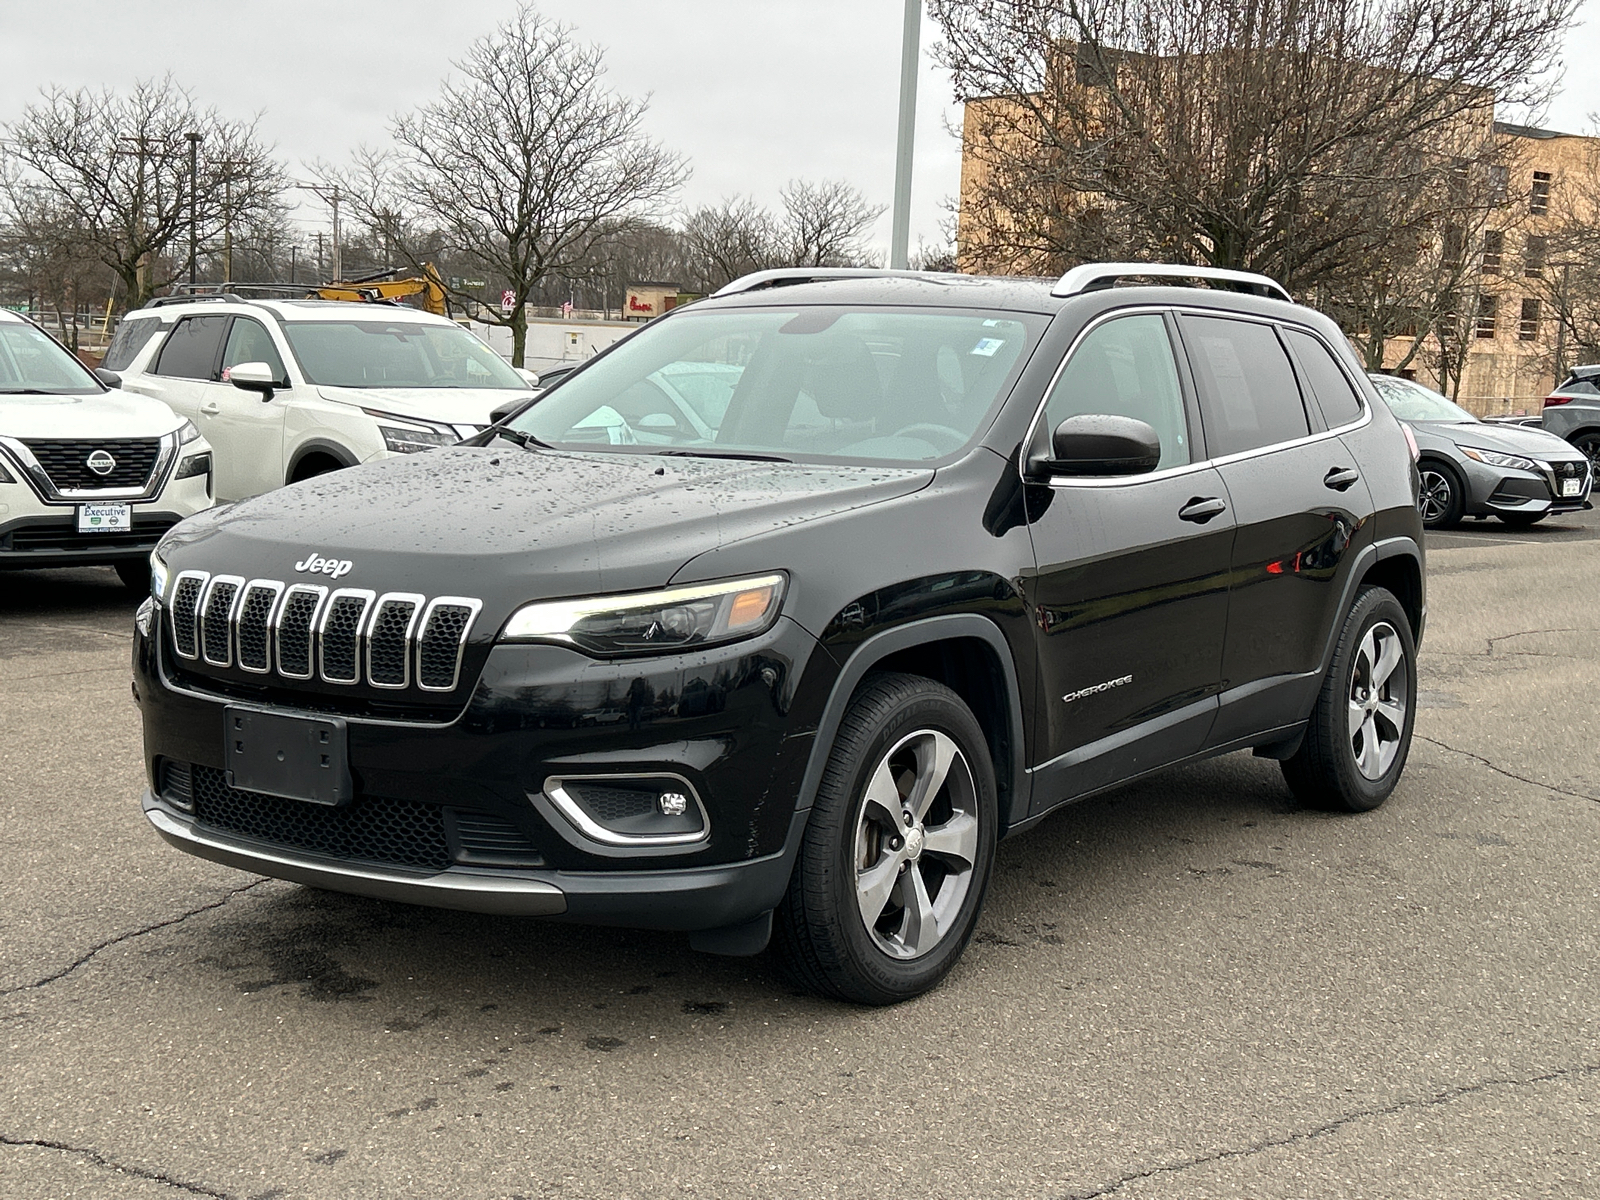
{"points": [[211, 408], [1201, 509], [1340, 478]]}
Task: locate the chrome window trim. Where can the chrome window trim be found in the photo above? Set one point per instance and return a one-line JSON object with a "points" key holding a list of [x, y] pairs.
{"points": [[1059, 481], [367, 596], [172, 611], [468, 602], [276, 585], [205, 608], [39, 479], [555, 791], [365, 645], [321, 594]]}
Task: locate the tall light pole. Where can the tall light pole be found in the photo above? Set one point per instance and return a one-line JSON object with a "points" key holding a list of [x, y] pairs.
{"points": [[910, 54], [194, 140]]}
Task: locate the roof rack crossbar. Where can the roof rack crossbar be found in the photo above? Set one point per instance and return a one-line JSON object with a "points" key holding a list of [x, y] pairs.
{"points": [[783, 276], [163, 301], [1094, 276]]}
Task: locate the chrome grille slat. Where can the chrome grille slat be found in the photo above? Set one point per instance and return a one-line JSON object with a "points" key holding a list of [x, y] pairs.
{"points": [[187, 589], [339, 635], [443, 639], [388, 638], [252, 624], [293, 628], [216, 619]]}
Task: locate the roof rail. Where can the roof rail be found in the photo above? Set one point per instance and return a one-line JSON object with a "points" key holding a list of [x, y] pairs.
{"points": [[163, 301], [1095, 276], [782, 276]]}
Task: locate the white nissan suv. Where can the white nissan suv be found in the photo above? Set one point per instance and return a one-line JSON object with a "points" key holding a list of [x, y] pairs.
{"points": [[288, 389], [89, 476]]}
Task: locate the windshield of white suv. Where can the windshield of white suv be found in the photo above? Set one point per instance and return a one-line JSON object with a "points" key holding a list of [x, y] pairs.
{"points": [[827, 382], [1412, 402], [32, 363], [397, 354]]}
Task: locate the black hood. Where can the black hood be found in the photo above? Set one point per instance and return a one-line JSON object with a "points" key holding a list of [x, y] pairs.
{"points": [[509, 525]]}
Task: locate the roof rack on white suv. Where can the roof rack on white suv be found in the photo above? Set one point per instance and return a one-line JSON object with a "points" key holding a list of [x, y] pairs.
{"points": [[782, 276], [1092, 276]]}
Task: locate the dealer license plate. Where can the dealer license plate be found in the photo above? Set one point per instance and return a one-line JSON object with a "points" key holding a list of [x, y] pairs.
{"points": [[297, 758], [1572, 487], [105, 518]]}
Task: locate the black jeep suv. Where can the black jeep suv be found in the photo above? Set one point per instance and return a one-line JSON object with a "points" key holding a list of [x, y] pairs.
{"points": [[770, 621]]}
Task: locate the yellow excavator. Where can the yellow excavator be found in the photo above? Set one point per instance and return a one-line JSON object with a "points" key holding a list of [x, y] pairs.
{"points": [[384, 286]]}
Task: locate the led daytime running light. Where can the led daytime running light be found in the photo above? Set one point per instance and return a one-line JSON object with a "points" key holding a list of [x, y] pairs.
{"points": [[681, 618]]}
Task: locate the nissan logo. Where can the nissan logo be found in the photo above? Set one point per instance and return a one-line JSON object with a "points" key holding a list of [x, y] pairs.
{"points": [[101, 463]]}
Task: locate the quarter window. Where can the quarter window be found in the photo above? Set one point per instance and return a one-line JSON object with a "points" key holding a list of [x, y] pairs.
{"points": [[1338, 400], [1248, 394], [190, 351], [248, 341], [1125, 368]]}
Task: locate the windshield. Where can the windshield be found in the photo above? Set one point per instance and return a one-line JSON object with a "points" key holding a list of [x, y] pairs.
{"points": [[825, 382], [397, 354], [30, 361], [1410, 401]]}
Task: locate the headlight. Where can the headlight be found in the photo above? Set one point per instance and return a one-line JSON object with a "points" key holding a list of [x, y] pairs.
{"points": [[198, 464], [409, 441], [1494, 458], [682, 618], [158, 574], [188, 433], [142, 618]]}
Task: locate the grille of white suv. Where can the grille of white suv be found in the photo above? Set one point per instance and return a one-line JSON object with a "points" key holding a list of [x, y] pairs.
{"points": [[303, 631], [72, 465]]}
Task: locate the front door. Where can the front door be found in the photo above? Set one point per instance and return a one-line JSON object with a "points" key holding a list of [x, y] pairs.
{"points": [[245, 430], [1130, 596]]}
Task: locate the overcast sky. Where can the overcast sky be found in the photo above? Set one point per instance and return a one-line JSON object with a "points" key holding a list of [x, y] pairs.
{"points": [[754, 92]]}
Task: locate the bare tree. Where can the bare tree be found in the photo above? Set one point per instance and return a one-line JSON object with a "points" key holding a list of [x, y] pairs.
{"points": [[823, 223], [729, 239], [119, 165], [523, 162], [1269, 136]]}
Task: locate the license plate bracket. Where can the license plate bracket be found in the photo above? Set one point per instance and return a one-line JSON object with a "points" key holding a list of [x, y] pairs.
{"points": [[105, 518], [292, 757], [1571, 487]]}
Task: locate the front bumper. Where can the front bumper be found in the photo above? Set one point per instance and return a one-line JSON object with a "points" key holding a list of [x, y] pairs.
{"points": [[683, 900], [1494, 491], [34, 533]]}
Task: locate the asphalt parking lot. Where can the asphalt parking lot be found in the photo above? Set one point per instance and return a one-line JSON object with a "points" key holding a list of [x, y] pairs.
{"points": [[1188, 988]]}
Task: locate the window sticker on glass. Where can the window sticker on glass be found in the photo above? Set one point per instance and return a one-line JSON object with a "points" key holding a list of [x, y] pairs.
{"points": [[986, 347]]}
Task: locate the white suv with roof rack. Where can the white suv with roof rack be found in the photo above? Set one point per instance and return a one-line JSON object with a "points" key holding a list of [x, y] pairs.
{"points": [[88, 476], [288, 389]]}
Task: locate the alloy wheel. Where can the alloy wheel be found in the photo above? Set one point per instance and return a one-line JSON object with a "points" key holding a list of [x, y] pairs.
{"points": [[1435, 495], [916, 842], [1377, 703]]}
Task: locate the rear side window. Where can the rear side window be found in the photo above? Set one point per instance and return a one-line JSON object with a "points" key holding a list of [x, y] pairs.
{"points": [[1338, 400], [131, 337], [1248, 394], [190, 351], [1125, 368], [249, 341], [1579, 387]]}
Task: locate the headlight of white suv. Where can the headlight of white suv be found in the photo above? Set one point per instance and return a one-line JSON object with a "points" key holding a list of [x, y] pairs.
{"points": [[1494, 458], [681, 618], [188, 433]]}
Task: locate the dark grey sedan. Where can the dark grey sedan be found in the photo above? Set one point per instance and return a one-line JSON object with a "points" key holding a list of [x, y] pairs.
{"points": [[1471, 468]]}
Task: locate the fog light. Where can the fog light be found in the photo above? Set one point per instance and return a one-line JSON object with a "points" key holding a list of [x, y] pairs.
{"points": [[673, 804]]}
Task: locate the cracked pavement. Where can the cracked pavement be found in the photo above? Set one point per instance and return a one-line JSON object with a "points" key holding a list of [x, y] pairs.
{"points": [[1186, 989]]}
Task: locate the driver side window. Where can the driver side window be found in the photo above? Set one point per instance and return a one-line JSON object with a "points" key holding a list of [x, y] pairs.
{"points": [[1125, 368]]}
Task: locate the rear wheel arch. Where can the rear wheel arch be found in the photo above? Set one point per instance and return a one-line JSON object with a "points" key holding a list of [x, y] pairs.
{"points": [[1401, 574]]}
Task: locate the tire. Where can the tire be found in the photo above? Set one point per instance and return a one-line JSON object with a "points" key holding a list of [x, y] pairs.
{"points": [[1326, 772], [134, 573], [859, 855], [1589, 443], [1443, 498], [1519, 521]]}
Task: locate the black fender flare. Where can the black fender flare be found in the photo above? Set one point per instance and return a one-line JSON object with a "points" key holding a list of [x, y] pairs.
{"points": [[1370, 556], [318, 446], [903, 637]]}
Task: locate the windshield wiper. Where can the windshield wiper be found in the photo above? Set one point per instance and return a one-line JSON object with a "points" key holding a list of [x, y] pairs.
{"points": [[526, 440], [751, 455], [28, 392]]}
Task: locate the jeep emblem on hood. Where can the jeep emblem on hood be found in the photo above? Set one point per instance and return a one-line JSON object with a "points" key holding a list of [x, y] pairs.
{"points": [[315, 564]]}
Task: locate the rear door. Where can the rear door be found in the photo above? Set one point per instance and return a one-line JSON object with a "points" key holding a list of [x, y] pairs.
{"points": [[1299, 503], [186, 364], [1130, 595]]}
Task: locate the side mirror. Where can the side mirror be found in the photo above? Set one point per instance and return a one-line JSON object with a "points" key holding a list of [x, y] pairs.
{"points": [[528, 377], [254, 377], [1102, 444], [110, 378]]}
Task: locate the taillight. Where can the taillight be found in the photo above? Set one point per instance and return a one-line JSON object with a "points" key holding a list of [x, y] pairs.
{"points": [[1411, 440], [1552, 401]]}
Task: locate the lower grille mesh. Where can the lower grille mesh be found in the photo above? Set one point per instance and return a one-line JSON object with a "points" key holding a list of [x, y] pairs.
{"points": [[373, 829]]}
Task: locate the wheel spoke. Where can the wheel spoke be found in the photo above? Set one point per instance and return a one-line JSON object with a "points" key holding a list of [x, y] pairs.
{"points": [[884, 797], [874, 886], [921, 928], [934, 753], [1389, 656], [956, 840], [1358, 714], [1369, 749], [1394, 714]]}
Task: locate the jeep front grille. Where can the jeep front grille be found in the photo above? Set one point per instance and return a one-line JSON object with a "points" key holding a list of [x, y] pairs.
{"points": [[301, 631]]}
